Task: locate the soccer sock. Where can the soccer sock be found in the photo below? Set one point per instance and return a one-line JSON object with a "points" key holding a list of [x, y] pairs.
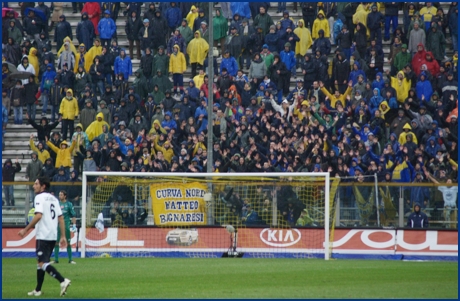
{"points": [[56, 253], [47, 267], [40, 279], [69, 252]]}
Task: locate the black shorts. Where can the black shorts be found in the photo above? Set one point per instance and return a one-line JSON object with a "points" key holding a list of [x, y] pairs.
{"points": [[44, 249]]}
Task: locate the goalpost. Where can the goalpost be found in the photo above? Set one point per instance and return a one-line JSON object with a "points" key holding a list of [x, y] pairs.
{"points": [[140, 214]]}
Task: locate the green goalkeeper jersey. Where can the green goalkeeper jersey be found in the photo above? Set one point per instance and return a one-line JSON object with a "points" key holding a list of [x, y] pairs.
{"points": [[67, 211]]}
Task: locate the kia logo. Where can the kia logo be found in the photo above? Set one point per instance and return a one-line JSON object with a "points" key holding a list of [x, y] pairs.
{"points": [[280, 238]]}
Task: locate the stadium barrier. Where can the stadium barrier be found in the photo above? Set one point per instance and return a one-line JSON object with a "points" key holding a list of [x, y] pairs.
{"points": [[352, 238], [395, 205], [388, 244]]}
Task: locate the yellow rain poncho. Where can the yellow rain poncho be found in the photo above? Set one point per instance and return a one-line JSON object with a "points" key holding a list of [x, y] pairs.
{"points": [[33, 60], [91, 54], [197, 49], [72, 47], [402, 87], [191, 16], [384, 108], [95, 128], [199, 80], [87, 64], [402, 137], [157, 129], [321, 24], [304, 35], [361, 17]]}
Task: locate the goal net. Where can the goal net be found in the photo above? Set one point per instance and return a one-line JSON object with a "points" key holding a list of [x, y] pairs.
{"points": [[207, 215]]}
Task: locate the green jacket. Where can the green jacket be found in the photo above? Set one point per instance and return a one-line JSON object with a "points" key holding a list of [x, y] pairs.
{"points": [[268, 59], [163, 82], [161, 62], [15, 34], [436, 43], [402, 59], [68, 211], [140, 84], [220, 26], [33, 169], [264, 21], [158, 96], [186, 33]]}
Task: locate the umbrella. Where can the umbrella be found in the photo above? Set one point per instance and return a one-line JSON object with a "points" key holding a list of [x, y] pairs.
{"points": [[5, 10], [37, 12], [10, 80], [12, 68]]}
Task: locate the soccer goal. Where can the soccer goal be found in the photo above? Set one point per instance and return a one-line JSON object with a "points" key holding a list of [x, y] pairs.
{"points": [[207, 215]]}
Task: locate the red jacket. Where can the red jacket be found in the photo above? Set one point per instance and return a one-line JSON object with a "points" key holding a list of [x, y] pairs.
{"points": [[94, 10]]}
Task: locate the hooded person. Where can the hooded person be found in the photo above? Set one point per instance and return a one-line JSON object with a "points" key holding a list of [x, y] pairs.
{"points": [[423, 87], [157, 94], [161, 60], [48, 169], [356, 72], [168, 123], [11, 52], [177, 66], [140, 85], [85, 31], [87, 114], [432, 65], [360, 16], [336, 97], [106, 28], [220, 29], [67, 57], [63, 153], [407, 130], [69, 111], [71, 46], [375, 101], [419, 57], [81, 143], [94, 12], [263, 19], [417, 219], [321, 23], [305, 37], [185, 31], [191, 16], [93, 52], [402, 86], [26, 66], [424, 120], [44, 128], [163, 82], [105, 136], [33, 61], [123, 64], [322, 43], [95, 129], [80, 59], [197, 51], [39, 149], [62, 30], [156, 128]]}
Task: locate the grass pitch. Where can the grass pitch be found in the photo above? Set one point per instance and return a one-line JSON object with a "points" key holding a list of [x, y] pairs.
{"points": [[152, 278]]}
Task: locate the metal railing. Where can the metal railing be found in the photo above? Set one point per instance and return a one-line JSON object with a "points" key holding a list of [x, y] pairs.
{"points": [[356, 204]]}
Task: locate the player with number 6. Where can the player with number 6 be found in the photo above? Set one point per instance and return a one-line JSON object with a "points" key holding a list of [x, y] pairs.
{"points": [[48, 216]]}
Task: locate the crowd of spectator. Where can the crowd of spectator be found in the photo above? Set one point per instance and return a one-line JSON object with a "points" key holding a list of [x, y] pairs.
{"points": [[346, 114]]}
